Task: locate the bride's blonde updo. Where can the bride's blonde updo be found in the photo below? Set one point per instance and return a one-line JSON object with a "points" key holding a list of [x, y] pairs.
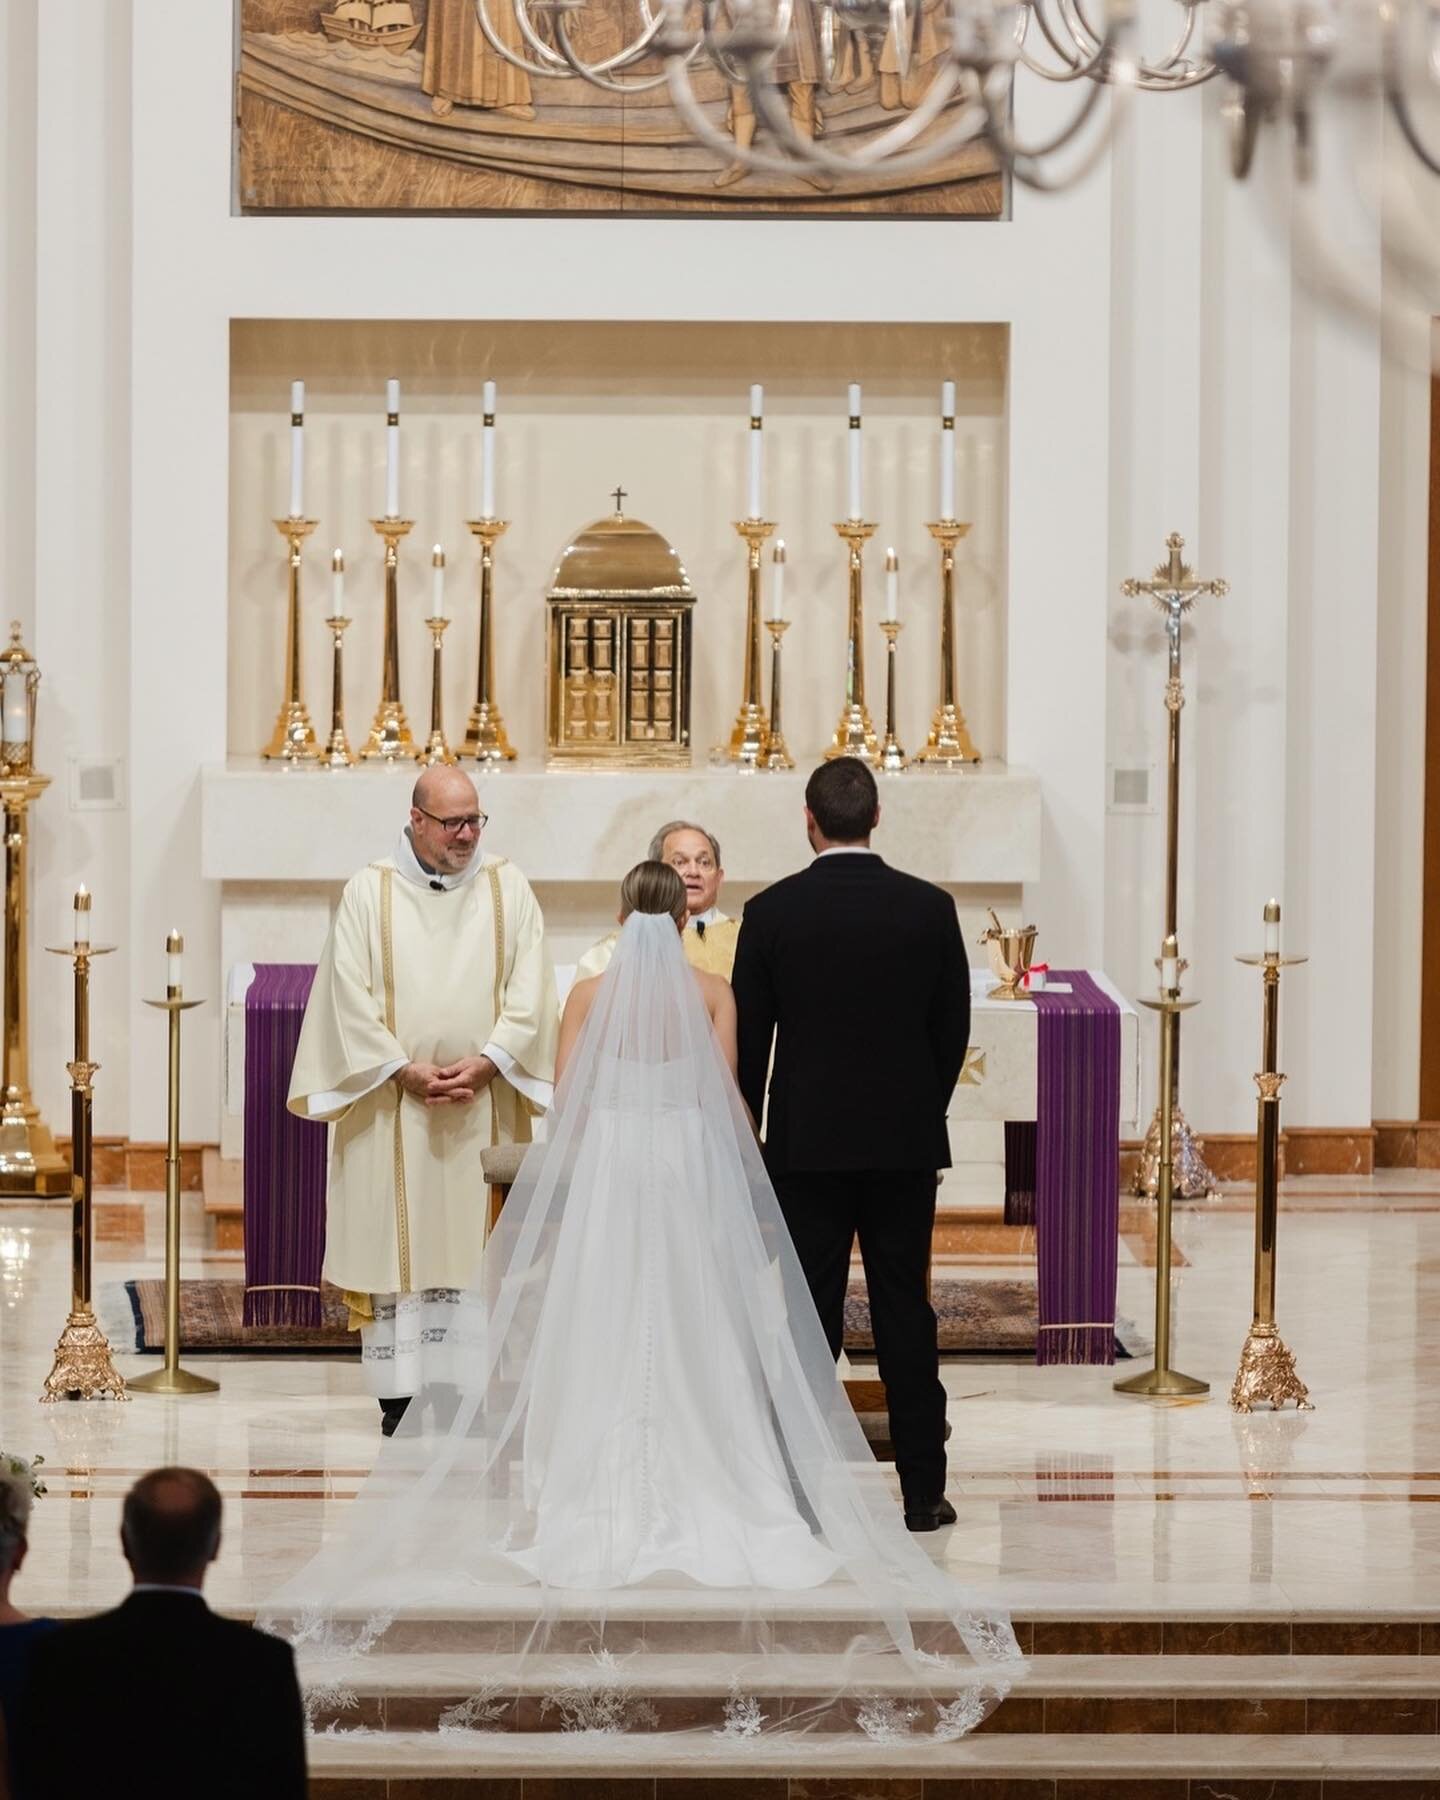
{"points": [[654, 887]]}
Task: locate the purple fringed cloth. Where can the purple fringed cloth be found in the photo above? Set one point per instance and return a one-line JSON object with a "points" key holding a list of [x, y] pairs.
{"points": [[285, 1168], [1077, 1169]]}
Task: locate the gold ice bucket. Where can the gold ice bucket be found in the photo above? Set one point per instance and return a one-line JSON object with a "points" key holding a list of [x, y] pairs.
{"points": [[1011, 953]]}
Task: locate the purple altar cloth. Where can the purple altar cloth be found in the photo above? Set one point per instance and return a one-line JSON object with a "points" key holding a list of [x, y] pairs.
{"points": [[285, 1158], [1077, 1170]]}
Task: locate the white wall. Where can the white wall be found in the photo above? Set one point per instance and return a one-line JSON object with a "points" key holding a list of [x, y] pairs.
{"points": [[1164, 373]]}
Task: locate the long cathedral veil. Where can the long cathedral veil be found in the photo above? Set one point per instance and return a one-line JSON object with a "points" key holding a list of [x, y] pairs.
{"points": [[650, 1506]]}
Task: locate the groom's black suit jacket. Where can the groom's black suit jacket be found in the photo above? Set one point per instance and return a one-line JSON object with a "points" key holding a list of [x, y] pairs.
{"points": [[859, 974]]}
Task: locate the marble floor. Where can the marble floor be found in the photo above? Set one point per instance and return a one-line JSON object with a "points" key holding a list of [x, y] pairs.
{"points": [[1074, 1502]]}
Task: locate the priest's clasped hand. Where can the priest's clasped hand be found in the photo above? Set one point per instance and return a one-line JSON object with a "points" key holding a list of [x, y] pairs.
{"points": [[455, 1084]]}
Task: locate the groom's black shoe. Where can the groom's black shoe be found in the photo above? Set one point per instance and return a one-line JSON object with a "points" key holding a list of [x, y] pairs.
{"points": [[392, 1412], [928, 1515]]}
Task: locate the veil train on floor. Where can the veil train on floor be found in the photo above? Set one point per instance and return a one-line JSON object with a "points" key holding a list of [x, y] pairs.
{"points": [[651, 1506]]}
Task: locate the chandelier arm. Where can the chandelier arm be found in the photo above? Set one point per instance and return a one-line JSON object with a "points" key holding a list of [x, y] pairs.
{"points": [[596, 73], [715, 48], [623, 57], [1026, 171], [1012, 152], [888, 148], [1089, 42], [553, 66], [1397, 101]]}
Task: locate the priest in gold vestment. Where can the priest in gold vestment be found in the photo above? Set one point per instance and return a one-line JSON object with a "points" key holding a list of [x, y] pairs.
{"points": [[429, 1035], [710, 937]]}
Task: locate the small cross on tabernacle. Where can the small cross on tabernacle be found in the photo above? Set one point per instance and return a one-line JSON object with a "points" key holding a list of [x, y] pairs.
{"points": [[620, 495]]}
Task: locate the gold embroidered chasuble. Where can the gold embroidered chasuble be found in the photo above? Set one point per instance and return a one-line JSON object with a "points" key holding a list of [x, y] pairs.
{"points": [[412, 975], [711, 951]]}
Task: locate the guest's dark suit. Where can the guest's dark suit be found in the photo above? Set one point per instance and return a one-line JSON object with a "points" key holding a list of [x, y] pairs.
{"points": [[164, 1698], [858, 973]]}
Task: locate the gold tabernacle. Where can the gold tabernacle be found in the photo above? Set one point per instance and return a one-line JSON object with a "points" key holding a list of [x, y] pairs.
{"points": [[1174, 589], [293, 739], [172, 1379], [619, 617], [82, 1369], [1267, 1372]]}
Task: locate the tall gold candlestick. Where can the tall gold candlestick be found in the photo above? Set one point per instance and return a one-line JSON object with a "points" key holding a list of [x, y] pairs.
{"points": [[1162, 1379], [485, 737], [29, 1161], [83, 1369], [436, 749], [949, 745], [751, 728], [172, 1379], [1174, 589], [337, 753], [390, 739], [855, 735], [293, 739], [777, 752], [892, 758], [1267, 1371]]}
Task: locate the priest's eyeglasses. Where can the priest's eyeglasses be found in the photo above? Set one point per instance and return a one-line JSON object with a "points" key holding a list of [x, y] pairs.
{"points": [[476, 821]]}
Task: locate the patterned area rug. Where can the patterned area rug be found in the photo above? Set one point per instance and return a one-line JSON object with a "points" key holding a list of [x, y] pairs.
{"points": [[977, 1318], [212, 1318]]}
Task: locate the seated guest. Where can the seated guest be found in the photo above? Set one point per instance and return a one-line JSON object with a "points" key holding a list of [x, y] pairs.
{"points": [[709, 940], [18, 1634], [162, 1696]]}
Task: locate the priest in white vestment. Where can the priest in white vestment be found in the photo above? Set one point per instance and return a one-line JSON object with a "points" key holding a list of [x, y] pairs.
{"points": [[710, 937], [429, 1035]]}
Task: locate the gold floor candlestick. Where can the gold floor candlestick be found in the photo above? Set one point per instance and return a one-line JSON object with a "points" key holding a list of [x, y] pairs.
{"points": [[390, 739], [949, 745], [1267, 1372], [485, 739], [893, 759], [777, 752], [172, 1379], [436, 749], [1162, 1379], [337, 753], [855, 735], [1174, 590], [751, 729], [83, 1369], [293, 739], [29, 1162]]}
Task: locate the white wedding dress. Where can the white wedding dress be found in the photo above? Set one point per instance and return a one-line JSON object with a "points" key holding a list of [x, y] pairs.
{"points": [[650, 1415]]}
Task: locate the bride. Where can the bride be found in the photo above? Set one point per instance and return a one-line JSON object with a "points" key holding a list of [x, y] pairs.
{"points": [[653, 1466]]}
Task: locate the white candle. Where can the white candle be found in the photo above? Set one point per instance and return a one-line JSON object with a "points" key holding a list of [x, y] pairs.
{"points": [[297, 449], [856, 511], [1272, 929], [947, 450], [437, 583], [15, 728], [892, 585], [337, 585], [392, 449], [487, 453], [757, 443], [174, 945], [777, 580], [1169, 973], [82, 917]]}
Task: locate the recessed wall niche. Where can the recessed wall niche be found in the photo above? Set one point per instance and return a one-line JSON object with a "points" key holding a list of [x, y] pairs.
{"points": [[659, 410]]}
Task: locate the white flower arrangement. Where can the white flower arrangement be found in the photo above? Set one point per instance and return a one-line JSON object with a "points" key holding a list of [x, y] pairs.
{"points": [[24, 1469]]}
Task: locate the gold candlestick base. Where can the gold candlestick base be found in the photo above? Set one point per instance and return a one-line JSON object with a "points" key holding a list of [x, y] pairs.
{"points": [[1267, 1374], [749, 733], [949, 745], [854, 734], [83, 1369], [29, 1161], [485, 739], [777, 751], [1193, 1177], [293, 739], [390, 738], [30, 1165]]}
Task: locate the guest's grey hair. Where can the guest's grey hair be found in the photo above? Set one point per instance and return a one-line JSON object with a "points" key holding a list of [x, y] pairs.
{"points": [[657, 843], [15, 1502]]}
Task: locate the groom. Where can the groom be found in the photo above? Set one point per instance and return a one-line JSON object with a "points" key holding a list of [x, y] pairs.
{"points": [[858, 974]]}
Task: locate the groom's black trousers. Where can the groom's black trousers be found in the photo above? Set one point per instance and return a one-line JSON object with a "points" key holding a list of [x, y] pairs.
{"points": [[893, 1213]]}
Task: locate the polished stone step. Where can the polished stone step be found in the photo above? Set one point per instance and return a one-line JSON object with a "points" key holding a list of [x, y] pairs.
{"points": [[669, 1766]]}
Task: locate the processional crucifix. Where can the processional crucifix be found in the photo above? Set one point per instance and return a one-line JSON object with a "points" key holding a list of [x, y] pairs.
{"points": [[1174, 590]]}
